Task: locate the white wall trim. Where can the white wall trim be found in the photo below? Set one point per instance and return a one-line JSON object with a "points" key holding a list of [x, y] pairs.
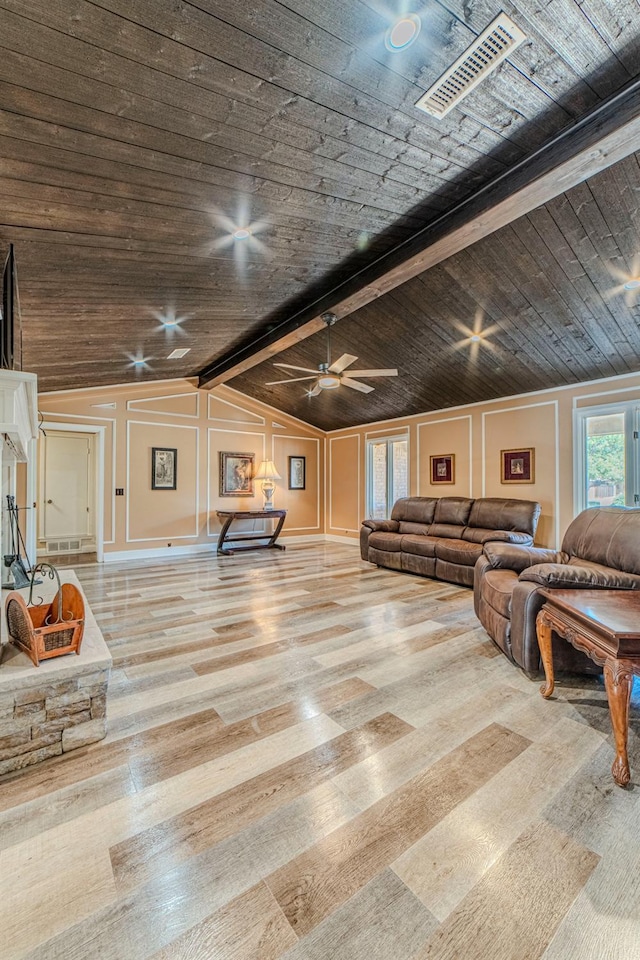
{"points": [[99, 432], [129, 385], [556, 447], [349, 436], [165, 553], [246, 433], [260, 421], [166, 413], [173, 426], [316, 440], [483, 403], [376, 433], [145, 553], [428, 423], [267, 406]]}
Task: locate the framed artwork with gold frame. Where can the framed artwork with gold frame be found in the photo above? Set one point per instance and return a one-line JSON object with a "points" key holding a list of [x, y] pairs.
{"points": [[517, 466], [443, 468]]}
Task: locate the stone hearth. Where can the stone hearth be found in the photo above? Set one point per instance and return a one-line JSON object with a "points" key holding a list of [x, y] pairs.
{"points": [[58, 706]]}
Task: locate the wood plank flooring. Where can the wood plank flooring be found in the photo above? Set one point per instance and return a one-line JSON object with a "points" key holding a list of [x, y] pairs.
{"points": [[310, 758]]}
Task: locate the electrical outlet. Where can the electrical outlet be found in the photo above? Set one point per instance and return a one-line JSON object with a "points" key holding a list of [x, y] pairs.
{"points": [[119, 491]]}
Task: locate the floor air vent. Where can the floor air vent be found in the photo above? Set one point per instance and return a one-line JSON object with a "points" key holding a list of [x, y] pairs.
{"points": [[485, 53]]}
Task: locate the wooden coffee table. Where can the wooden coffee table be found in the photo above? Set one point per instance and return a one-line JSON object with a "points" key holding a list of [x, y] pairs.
{"points": [[604, 624]]}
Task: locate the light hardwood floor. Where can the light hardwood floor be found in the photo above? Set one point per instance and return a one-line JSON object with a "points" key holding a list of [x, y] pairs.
{"points": [[310, 758]]}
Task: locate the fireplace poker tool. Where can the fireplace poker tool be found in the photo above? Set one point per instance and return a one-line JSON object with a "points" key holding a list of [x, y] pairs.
{"points": [[13, 561]]}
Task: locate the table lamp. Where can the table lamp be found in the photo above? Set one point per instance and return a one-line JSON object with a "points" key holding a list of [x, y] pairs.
{"points": [[268, 474]]}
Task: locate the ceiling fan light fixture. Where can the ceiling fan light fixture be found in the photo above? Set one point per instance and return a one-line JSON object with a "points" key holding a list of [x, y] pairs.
{"points": [[328, 381]]}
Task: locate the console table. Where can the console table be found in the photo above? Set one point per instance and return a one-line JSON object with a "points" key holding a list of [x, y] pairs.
{"points": [[226, 518], [604, 624]]}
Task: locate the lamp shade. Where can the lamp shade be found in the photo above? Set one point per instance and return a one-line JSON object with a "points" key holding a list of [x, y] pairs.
{"points": [[267, 471]]}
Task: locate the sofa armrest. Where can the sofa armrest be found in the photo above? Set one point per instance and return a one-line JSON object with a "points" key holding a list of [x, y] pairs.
{"points": [[388, 526], [508, 536], [512, 556], [574, 576]]}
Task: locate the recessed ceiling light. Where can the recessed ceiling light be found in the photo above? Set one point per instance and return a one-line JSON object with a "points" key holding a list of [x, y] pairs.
{"points": [[402, 33], [476, 338], [178, 353], [632, 284], [138, 363], [241, 233]]}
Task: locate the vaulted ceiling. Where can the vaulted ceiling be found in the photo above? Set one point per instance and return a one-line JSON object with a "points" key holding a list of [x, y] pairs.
{"points": [[137, 135]]}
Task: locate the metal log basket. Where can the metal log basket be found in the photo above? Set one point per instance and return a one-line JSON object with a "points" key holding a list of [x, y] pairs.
{"points": [[45, 630]]}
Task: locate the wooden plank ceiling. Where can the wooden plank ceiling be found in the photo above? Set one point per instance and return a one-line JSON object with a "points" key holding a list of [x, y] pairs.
{"points": [[135, 135], [546, 295]]}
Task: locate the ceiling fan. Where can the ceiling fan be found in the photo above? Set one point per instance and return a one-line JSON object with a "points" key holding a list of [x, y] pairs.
{"points": [[330, 375]]}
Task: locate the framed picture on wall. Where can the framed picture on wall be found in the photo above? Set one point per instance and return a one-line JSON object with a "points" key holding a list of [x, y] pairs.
{"points": [[518, 466], [236, 474], [443, 468], [297, 473], [164, 468]]}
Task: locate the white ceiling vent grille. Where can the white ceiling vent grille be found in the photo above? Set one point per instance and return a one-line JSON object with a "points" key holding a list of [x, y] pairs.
{"points": [[485, 53]]}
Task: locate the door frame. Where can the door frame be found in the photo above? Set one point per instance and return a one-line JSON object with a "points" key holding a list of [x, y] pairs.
{"points": [[32, 476]]}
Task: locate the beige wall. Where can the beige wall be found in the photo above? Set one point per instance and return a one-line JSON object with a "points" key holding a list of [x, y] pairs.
{"points": [[199, 424], [476, 434]]}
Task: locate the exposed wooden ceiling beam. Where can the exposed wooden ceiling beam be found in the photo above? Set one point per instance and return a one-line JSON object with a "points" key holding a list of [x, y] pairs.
{"points": [[606, 135]]}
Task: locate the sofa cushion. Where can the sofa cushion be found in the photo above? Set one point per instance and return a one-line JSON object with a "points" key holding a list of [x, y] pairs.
{"points": [[421, 529], [501, 513], [581, 575], [497, 590], [449, 530], [419, 546], [458, 551], [606, 535], [424, 566], [414, 509], [483, 535], [390, 542], [453, 510]]}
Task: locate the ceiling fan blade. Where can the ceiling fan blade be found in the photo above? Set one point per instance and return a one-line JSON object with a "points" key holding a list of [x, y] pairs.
{"points": [[316, 390], [373, 373], [272, 383], [342, 363], [290, 366], [356, 385]]}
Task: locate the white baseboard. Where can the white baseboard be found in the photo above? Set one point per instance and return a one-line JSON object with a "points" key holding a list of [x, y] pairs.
{"points": [[157, 553], [151, 553]]}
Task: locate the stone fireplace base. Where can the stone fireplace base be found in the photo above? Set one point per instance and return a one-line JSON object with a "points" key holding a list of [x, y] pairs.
{"points": [[58, 706]]}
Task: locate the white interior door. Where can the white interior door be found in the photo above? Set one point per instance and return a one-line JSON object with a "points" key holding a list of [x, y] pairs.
{"points": [[67, 486]]}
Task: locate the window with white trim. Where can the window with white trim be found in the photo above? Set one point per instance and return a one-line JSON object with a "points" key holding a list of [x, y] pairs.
{"points": [[607, 456], [387, 474]]}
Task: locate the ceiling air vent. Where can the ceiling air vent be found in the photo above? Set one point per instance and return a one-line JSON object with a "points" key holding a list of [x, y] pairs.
{"points": [[497, 42]]}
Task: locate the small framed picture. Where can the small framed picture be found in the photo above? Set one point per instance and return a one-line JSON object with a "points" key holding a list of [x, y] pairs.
{"points": [[236, 474], [297, 473], [518, 466], [164, 468], [443, 468]]}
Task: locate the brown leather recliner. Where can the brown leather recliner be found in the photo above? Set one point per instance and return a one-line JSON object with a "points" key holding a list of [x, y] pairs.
{"points": [[600, 550]]}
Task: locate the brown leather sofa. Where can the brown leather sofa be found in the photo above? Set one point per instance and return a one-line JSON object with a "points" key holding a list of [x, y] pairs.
{"points": [[443, 537], [600, 550]]}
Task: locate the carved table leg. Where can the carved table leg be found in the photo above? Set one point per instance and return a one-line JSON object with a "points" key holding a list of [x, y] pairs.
{"points": [[618, 680], [546, 652]]}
